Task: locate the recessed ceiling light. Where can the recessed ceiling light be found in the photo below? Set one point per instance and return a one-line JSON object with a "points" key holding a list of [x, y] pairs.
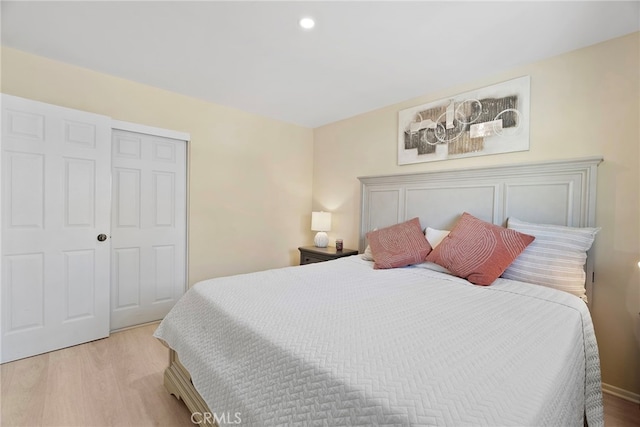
{"points": [[307, 23]]}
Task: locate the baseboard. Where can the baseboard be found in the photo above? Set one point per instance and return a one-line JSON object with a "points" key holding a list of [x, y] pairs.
{"points": [[618, 392], [157, 322]]}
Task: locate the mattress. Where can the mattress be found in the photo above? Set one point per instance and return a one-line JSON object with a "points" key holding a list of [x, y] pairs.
{"points": [[339, 343]]}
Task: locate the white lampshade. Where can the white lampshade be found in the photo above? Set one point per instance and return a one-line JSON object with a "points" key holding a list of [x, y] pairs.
{"points": [[321, 222]]}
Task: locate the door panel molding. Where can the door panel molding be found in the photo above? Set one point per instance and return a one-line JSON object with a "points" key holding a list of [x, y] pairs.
{"points": [[149, 197], [56, 179]]}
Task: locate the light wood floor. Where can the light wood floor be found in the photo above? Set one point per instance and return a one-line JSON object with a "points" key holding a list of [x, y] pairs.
{"points": [[117, 381], [620, 413]]}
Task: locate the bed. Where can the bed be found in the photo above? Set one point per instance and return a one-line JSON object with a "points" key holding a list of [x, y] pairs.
{"points": [[345, 343]]}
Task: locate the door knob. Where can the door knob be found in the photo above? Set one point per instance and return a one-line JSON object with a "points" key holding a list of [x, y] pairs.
{"points": [[102, 237]]}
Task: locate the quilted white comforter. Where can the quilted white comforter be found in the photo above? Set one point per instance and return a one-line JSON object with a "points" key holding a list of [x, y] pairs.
{"points": [[339, 343]]}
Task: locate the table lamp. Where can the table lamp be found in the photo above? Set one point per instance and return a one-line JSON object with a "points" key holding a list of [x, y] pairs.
{"points": [[321, 222]]}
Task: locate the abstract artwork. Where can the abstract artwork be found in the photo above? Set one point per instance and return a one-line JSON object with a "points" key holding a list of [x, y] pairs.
{"points": [[491, 120]]}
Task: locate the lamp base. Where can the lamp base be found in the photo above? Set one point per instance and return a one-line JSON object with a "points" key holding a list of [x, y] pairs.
{"points": [[321, 240]]}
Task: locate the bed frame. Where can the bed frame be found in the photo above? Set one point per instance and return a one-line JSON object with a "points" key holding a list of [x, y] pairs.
{"points": [[556, 192], [177, 381]]}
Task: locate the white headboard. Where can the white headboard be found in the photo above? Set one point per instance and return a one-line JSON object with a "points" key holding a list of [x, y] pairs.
{"points": [[555, 192]]}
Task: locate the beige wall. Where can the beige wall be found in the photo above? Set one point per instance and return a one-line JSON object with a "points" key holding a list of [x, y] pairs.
{"points": [[250, 177], [583, 103]]}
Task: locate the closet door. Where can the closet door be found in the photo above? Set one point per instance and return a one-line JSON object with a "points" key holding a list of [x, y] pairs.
{"points": [[56, 167], [148, 227]]}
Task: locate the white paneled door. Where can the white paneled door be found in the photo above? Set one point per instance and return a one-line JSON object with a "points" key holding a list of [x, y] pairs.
{"points": [[148, 227], [55, 203]]}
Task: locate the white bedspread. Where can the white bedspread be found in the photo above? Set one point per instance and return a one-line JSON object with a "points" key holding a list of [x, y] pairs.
{"points": [[339, 343]]}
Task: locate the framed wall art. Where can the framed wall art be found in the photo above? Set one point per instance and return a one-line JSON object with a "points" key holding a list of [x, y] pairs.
{"points": [[491, 120]]}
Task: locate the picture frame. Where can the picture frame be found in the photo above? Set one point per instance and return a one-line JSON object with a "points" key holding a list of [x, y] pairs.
{"points": [[490, 120]]}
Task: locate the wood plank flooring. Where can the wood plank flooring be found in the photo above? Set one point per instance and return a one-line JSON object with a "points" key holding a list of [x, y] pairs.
{"points": [[117, 381], [620, 412]]}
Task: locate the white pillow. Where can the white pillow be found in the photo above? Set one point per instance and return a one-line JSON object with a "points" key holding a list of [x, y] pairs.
{"points": [[434, 237], [555, 258], [428, 265], [368, 255]]}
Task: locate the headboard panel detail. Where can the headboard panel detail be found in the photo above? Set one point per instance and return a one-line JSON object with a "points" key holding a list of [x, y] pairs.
{"points": [[559, 192]]}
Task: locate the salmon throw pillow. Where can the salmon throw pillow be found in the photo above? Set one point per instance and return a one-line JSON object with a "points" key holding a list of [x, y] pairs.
{"points": [[399, 245], [479, 251]]}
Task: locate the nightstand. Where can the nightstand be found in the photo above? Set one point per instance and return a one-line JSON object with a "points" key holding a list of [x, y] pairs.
{"points": [[311, 254]]}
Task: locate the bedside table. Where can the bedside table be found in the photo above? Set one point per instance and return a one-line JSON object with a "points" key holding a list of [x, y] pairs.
{"points": [[311, 254]]}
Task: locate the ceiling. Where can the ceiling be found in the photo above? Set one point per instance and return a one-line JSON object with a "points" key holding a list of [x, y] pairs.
{"points": [[361, 55]]}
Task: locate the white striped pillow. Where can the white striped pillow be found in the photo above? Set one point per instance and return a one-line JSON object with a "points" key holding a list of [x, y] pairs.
{"points": [[556, 257]]}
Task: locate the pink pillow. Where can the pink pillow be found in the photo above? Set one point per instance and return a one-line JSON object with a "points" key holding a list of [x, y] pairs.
{"points": [[399, 245], [479, 251]]}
